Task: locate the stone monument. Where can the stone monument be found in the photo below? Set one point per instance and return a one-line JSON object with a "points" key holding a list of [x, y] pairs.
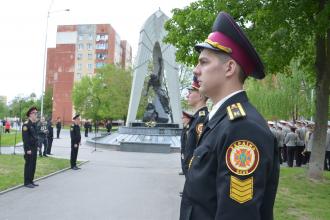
{"points": [[160, 129]]}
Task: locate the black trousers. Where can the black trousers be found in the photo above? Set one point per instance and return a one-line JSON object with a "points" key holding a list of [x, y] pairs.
{"points": [[280, 156], [327, 161], [307, 157], [58, 130], [284, 153], [30, 166], [290, 155], [43, 141], [298, 155], [86, 132], [74, 154], [50, 144]]}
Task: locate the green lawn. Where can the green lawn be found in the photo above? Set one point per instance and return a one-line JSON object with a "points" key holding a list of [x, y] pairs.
{"points": [[12, 169], [9, 139], [301, 199]]}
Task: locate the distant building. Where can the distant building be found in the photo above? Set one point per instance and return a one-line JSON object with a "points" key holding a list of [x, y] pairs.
{"points": [[3, 99], [79, 51]]}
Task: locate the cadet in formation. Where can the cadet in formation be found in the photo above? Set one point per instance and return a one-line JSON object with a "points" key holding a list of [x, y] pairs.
{"points": [[197, 102], [30, 143], [234, 171], [75, 141]]}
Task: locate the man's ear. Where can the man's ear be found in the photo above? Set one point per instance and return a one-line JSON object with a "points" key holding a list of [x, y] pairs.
{"points": [[231, 67]]}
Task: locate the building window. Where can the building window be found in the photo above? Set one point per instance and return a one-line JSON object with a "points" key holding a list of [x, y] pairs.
{"points": [[80, 46], [101, 56], [78, 75], [90, 37], [80, 37], [101, 46], [79, 56], [103, 37], [89, 46], [79, 66], [90, 66], [90, 56]]}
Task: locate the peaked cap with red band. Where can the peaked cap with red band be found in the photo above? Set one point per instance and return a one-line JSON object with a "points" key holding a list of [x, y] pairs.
{"points": [[229, 38], [194, 84]]}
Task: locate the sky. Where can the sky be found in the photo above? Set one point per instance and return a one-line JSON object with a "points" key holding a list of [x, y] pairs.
{"points": [[23, 33]]}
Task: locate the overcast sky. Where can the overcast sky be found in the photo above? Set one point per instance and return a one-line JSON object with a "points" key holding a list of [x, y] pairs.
{"points": [[23, 31]]}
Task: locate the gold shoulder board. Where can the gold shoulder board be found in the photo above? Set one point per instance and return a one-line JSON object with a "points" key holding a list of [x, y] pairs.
{"points": [[201, 113], [235, 111]]}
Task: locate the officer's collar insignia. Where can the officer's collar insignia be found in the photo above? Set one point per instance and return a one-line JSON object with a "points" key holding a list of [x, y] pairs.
{"points": [[201, 113], [235, 111], [25, 128], [242, 157], [199, 128], [241, 190]]}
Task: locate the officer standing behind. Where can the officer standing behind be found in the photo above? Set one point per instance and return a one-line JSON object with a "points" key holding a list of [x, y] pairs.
{"points": [[186, 119], [50, 136], [198, 103], [58, 127], [75, 141], [30, 142], [42, 129], [234, 171]]}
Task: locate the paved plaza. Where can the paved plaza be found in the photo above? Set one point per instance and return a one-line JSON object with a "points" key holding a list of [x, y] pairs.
{"points": [[112, 185]]}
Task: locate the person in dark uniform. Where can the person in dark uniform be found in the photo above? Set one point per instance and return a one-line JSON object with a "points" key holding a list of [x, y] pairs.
{"points": [[75, 141], [86, 127], [50, 136], [198, 103], [186, 118], [108, 126], [30, 143], [58, 127], [42, 130], [234, 171]]}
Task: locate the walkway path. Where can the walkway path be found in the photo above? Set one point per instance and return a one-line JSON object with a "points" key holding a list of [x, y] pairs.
{"points": [[113, 185]]}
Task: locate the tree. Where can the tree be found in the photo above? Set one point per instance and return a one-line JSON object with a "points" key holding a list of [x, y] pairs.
{"points": [[106, 95], [282, 31], [3, 110], [48, 102]]}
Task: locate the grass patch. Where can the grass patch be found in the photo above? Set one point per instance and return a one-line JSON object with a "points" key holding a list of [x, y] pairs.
{"points": [[9, 139], [299, 198], [12, 169]]}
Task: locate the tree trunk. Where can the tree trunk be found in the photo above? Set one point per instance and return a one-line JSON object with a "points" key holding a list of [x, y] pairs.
{"points": [[322, 106]]}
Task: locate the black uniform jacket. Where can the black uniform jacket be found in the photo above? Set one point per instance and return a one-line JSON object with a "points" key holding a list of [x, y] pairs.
{"points": [[193, 134], [29, 135], [234, 171], [75, 134]]}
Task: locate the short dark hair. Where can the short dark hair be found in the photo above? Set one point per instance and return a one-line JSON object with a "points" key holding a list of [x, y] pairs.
{"points": [[226, 57]]}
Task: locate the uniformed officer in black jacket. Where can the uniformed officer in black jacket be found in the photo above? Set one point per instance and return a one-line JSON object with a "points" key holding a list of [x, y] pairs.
{"points": [[30, 142], [235, 169], [198, 103], [186, 119], [75, 141], [50, 136]]}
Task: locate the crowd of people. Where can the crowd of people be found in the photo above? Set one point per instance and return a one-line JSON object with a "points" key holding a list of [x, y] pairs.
{"points": [[295, 142]]}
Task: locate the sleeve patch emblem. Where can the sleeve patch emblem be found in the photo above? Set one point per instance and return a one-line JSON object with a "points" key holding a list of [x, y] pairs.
{"points": [[25, 128], [199, 128], [242, 157], [241, 190]]}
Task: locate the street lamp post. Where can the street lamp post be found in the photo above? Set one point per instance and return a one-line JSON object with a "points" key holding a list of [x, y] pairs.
{"points": [[45, 56]]}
